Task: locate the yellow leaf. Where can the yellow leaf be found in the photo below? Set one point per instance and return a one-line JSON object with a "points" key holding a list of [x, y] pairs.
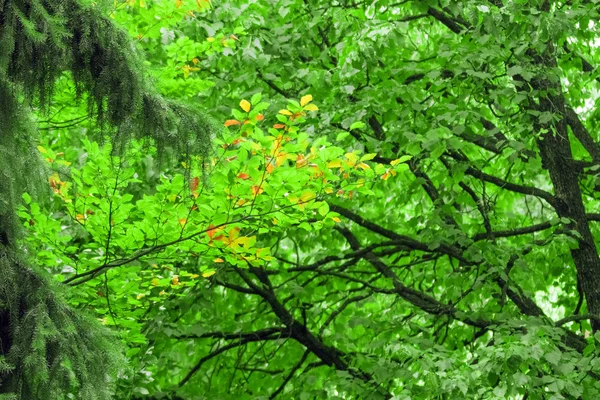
{"points": [[139, 296], [175, 280], [210, 39], [305, 100], [218, 260], [245, 104], [142, 4], [285, 112], [311, 107], [352, 159], [307, 196], [162, 293], [194, 276], [334, 164], [187, 69], [399, 160], [155, 282], [178, 3], [208, 273], [336, 219], [42, 150], [363, 166]]}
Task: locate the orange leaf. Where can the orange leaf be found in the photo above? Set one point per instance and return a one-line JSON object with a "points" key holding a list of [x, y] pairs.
{"points": [[256, 190], [260, 117], [243, 175], [301, 161], [212, 230], [175, 280], [194, 184], [231, 122], [245, 105], [270, 168], [182, 221], [278, 126]]}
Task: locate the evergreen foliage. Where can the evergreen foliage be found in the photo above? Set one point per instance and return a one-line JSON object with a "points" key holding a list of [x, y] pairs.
{"points": [[47, 349], [53, 350]]}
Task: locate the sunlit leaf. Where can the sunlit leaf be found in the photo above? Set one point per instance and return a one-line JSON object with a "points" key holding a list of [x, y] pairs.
{"points": [[245, 105], [305, 100]]}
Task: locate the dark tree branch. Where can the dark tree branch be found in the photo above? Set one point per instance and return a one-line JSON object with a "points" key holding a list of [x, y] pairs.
{"points": [[398, 239], [256, 337], [290, 375]]}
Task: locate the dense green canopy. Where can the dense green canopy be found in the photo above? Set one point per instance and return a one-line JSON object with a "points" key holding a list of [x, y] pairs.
{"points": [[402, 202]]}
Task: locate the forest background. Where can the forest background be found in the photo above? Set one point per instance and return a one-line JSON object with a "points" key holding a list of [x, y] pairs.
{"points": [[380, 199]]}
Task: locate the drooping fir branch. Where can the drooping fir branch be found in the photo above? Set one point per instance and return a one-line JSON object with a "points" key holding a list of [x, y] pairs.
{"points": [[42, 39]]}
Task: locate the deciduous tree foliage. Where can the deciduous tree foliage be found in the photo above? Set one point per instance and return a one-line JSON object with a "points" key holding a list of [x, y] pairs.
{"points": [[401, 202]]}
